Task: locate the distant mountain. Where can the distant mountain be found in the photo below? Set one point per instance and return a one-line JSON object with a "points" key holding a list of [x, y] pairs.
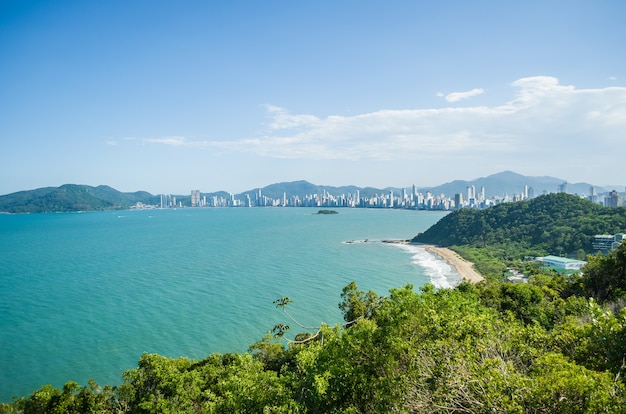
{"points": [[300, 188], [294, 188], [500, 184], [508, 182], [72, 197]]}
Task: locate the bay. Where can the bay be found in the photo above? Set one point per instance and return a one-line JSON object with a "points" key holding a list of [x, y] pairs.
{"points": [[83, 295]]}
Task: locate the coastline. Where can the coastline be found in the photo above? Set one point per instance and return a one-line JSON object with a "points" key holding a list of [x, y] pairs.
{"points": [[462, 266], [465, 268]]}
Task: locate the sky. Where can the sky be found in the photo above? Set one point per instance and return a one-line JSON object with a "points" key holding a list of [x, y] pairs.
{"points": [[170, 96]]}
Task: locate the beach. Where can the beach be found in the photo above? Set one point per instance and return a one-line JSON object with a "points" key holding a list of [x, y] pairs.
{"points": [[465, 268]]}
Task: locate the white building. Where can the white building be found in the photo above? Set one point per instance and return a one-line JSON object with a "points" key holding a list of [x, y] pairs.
{"points": [[562, 262]]}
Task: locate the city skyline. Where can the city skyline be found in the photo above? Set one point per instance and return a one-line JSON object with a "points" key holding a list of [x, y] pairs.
{"points": [[409, 198], [165, 96]]}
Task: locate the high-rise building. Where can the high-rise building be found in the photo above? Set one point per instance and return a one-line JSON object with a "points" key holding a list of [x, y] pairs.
{"points": [[612, 200], [458, 200], [471, 192], [195, 198]]}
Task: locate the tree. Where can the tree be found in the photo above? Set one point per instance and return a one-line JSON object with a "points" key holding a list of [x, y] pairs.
{"points": [[356, 304], [604, 277]]}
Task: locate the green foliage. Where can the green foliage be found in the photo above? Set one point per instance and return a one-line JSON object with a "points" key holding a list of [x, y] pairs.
{"points": [[555, 223], [219, 383], [486, 261], [604, 277], [356, 304], [71, 197], [490, 347], [560, 386], [597, 342], [322, 212]]}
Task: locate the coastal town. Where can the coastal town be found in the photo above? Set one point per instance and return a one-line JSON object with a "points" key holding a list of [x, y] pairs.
{"points": [[399, 199]]}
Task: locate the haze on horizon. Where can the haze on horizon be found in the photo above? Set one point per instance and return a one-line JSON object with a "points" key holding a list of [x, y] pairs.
{"points": [[168, 96]]}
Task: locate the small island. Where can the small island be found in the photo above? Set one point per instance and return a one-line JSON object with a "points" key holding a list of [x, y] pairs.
{"points": [[327, 212]]}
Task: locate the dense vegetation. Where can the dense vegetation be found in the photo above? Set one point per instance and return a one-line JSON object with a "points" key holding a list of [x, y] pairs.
{"points": [[71, 197], [327, 212], [558, 224], [554, 223], [556, 344]]}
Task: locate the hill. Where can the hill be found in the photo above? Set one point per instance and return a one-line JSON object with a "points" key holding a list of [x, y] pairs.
{"points": [[553, 224], [72, 197], [303, 188]]}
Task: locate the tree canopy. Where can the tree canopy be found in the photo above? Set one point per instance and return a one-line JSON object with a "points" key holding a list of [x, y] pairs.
{"points": [[551, 224]]}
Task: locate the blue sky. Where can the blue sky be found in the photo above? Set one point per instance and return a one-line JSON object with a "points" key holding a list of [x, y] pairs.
{"points": [[169, 96]]}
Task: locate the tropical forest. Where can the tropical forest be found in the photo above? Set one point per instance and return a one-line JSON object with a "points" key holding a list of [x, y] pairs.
{"points": [[555, 343]]}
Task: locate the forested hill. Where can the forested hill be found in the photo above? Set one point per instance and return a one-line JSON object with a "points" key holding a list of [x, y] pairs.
{"points": [[553, 223], [72, 197]]}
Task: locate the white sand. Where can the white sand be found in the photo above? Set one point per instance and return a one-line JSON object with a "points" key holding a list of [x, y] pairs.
{"points": [[465, 268]]}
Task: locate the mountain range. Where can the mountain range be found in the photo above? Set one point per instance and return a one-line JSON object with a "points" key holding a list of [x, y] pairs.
{"points": [[500, 184], [73, 197]]}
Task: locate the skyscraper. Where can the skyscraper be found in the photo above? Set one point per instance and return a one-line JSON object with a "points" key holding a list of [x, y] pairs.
{"points": [[612, 200], [195, 198], [458, 200]]}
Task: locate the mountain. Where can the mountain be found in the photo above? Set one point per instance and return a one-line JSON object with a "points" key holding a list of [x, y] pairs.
{"points": [[508, 182], [303, 188], [72, 197], [500, 184]]}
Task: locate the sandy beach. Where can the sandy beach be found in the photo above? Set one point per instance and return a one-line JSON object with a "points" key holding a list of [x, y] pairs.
{"points": [[465, 268]]}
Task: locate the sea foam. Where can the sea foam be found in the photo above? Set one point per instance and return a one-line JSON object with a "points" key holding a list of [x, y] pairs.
{"points": [[441, 273]]}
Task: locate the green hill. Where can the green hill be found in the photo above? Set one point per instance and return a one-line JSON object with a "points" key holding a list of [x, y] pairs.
{"points": [[71, 197], [555, 223]]}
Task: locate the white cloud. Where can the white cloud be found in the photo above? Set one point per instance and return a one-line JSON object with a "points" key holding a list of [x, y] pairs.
{"points": [[178, 141], [459, 96], [544, 123], [173, 141], [281, 119]]}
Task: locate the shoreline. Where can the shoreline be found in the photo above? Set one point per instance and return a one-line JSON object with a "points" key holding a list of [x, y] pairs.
{"points": [[462, 266]]}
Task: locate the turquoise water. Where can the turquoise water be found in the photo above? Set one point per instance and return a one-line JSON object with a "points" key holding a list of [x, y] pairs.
{"points": [[84, 295]]}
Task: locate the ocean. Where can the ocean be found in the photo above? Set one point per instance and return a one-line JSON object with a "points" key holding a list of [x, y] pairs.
{"points": [[83, 295]]}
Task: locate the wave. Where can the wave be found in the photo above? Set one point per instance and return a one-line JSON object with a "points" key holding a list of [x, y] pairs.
{"points": [[441, 273]]}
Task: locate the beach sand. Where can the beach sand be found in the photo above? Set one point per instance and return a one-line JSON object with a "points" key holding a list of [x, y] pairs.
{"points": [[465, 268]]}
